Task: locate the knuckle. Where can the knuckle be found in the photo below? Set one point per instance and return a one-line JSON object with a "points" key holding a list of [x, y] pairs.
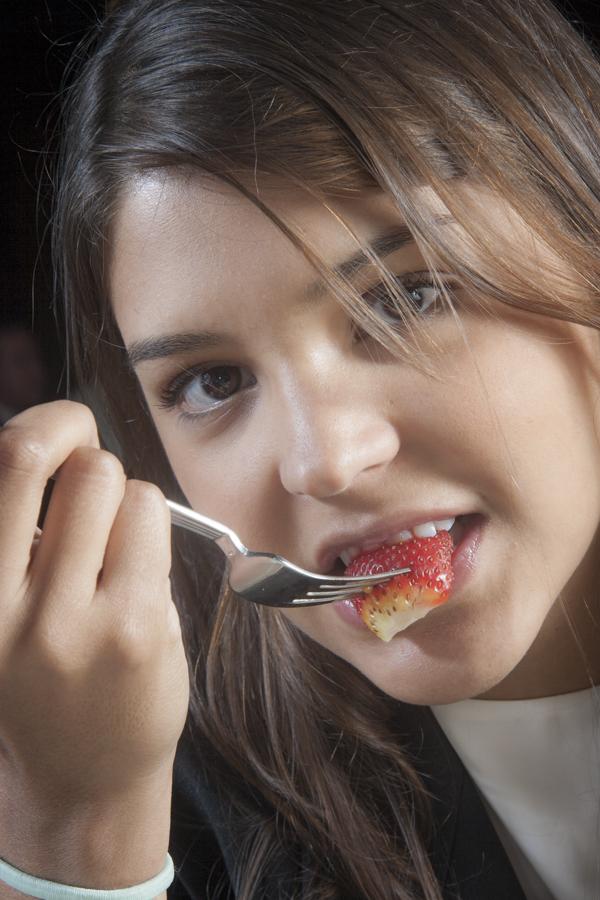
{"points": [[27, 440], [90, 462], [22, 452], [131, 646], [146, 495], [55, 652], [73, 408]]}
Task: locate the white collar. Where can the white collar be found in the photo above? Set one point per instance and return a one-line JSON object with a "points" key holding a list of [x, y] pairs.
{"points": [[537, 764]]}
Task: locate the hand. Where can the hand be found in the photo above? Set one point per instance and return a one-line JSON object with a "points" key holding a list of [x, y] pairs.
{"points": [[93, 676]]}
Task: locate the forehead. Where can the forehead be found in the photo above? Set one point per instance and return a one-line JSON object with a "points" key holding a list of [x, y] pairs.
{"points": [[179, 243], [207, 214]]}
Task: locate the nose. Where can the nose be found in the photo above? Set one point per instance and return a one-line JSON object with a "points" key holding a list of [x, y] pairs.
{"points": [[331, 439]]}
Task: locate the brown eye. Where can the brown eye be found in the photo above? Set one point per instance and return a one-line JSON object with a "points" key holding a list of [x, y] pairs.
{"points": [[197, 392], [218, 383]]}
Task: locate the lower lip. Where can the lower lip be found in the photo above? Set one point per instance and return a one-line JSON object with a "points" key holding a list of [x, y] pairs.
{"points": [[464, 560]]}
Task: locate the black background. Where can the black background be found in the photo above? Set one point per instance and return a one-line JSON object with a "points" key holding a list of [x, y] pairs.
{"points": [[37, 38]]}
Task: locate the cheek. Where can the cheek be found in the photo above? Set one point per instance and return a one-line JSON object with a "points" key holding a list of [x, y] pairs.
{"points": [[228, 479], [526, 400], [199, 473], [554, 456], [535, 455]]}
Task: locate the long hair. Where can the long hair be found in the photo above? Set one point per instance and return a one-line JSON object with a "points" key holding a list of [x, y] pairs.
{"points": [[335, 97]]}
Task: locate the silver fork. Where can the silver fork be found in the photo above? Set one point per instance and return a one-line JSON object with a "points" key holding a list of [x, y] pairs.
{"points": [[269, 579]]}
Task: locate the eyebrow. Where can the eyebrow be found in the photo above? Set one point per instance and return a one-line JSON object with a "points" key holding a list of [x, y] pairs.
{"points": [[165, 345]]}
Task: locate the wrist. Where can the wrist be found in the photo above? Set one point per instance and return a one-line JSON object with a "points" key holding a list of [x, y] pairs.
{"points": [[103, 845]]}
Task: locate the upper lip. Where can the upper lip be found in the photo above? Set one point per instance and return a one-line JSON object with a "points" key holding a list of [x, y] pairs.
{"points": [[329, 549]]}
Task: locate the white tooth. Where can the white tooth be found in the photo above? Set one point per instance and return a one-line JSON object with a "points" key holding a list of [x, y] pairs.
{"points": [[427, 529], [348, 555], [399, 537], [444, 524]]}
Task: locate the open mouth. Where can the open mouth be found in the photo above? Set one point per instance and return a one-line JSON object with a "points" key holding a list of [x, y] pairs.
{"points": [[438, 558], [461, 526]]}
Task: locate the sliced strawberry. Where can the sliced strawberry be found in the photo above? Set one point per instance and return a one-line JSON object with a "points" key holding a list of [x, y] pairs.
{"points": [[391, 607]]}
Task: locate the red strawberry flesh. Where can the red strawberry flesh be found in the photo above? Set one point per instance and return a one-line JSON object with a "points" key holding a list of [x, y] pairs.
{"points": [[391, 607]]}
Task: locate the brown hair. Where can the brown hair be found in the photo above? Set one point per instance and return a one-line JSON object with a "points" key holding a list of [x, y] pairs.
{"points": [[337, 97]]}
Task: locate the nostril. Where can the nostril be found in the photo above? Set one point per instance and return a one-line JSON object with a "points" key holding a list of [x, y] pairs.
{"points": [[319, 480]]}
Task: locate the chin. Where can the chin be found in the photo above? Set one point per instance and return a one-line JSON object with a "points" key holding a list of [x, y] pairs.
{"points": [[437, 687], [425, 673], [456, 652]]}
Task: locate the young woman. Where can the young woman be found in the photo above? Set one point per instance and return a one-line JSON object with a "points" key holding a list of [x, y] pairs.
{"points": [[332, 270]]}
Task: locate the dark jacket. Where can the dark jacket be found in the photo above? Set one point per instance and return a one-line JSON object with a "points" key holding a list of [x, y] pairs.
{"points": [[467, 855]]}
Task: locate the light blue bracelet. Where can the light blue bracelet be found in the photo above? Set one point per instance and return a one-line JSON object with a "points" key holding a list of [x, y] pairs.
{"points": [[52, 890]]}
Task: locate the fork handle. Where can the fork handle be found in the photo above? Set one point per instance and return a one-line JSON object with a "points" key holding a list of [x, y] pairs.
{"points": [[193, 521]]}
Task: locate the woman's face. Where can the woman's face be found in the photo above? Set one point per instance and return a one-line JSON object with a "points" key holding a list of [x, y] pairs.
{"points": [[304, 439]]}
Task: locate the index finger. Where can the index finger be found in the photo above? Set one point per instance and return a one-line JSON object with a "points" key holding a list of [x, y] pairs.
{"points": [[33, 445]]}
